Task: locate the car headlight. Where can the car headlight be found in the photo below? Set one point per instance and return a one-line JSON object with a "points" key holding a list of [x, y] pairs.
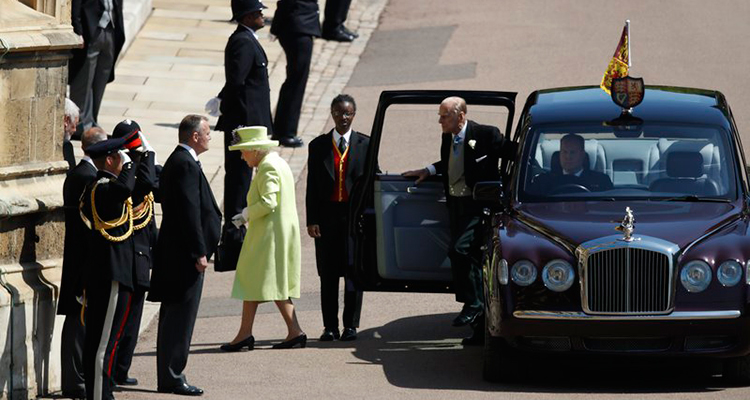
{"points": [[695, 276], [729, 273], [558, 275], [523, 273], [502, 272]]}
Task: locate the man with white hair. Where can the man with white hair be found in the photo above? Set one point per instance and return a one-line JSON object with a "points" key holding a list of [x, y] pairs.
{"points": [[70, 122]]}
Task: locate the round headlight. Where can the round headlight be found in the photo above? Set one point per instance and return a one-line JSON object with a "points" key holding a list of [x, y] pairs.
{"points": [[695, 276], [558, 275], [729, 273], [523, 273]]}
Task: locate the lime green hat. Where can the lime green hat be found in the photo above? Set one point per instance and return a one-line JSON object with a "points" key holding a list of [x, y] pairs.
{"points": [[253, 137]]}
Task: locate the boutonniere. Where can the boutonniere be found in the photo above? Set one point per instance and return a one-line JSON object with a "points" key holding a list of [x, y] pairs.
{"points": [[472, 143]]}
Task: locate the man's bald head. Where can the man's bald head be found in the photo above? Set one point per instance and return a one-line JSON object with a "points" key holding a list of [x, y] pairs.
{"points": [[455, 103], [452, 114], [92, 136]]}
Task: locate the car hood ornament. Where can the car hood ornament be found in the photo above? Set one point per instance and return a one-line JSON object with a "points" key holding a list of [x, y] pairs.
{"points": [[627, 225]]}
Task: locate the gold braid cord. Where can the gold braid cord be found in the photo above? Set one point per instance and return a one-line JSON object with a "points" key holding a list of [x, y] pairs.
{"points": [[144, 210], [125, 218]]}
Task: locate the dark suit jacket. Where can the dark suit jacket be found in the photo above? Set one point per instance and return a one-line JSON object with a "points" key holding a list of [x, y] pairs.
{"points": [[246, 96], [189, 228], [331, 249], [76, 233], [300, 17], [85, 15], [595, 181], [480, 162], [144, 239], [106, 260]]}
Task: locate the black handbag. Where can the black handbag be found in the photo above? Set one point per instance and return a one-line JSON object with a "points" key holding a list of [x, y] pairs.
{"points": [[228, 251]]}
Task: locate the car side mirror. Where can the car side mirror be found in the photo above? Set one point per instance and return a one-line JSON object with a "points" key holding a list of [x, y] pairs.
{"points": [[489, 193]]}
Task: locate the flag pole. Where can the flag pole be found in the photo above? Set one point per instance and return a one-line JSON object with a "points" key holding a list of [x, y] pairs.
{"points": [[630, 55]]}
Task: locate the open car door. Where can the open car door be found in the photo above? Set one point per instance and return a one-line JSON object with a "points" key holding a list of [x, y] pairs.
{"points": [[399, 231]]}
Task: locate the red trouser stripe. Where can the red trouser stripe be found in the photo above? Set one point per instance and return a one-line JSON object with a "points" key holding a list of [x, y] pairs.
{"points": [[119, 335]]}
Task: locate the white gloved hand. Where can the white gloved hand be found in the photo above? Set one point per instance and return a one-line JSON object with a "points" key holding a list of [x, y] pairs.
{"points": [[240, 219], [124, 157], [213, 107], [146, 145]]}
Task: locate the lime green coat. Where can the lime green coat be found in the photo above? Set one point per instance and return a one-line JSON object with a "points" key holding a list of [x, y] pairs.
{"points": [[269, 263]]}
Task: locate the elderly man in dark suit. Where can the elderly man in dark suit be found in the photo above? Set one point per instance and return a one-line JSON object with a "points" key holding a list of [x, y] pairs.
{"points": [[469, 153], [245, 101], [335, 160], [295, 23], [188, 237], [100, 24], [71, 286]]}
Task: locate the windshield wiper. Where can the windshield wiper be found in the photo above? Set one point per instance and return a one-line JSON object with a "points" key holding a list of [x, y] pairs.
{"points": [[696, 199]]}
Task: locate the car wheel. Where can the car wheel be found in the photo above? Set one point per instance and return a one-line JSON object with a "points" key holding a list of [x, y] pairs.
{"points": [[497, 366], [737, 370]]}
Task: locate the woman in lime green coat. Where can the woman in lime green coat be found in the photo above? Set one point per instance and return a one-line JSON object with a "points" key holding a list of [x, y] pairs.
{"points": [[269, 264]]}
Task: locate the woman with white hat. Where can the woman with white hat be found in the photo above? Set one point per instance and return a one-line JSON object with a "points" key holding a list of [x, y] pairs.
{"points": [[269, 264]]}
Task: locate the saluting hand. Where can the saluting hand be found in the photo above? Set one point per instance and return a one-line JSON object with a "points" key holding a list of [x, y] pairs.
{"points": [[313, 231], [201, 264]]}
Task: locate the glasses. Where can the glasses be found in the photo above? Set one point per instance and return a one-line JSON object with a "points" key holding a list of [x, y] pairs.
{"points": [[342, 114]]}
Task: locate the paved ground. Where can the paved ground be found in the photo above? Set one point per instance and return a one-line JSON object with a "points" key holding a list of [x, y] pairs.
{"points": [[407, 348]]}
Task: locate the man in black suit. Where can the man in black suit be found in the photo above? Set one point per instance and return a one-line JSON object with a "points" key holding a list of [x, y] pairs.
{"points": [[335, 160], [71, 285], [469, 153], [106, 208], [188, 237], [295, 23], [245, 101], [100, 24], [573, 175], [333, 25]]}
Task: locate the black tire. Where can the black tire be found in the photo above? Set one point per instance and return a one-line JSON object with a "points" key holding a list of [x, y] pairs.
{"points": [[737, 370], [497, 364]]}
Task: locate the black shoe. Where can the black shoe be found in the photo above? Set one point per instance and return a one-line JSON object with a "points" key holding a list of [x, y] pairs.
{"points": [[467, 316], [293, 141], [184, 390], [338, 35], [329, 335], [289, 344], [349, 334], [128, 381], [74, 394], [348, 32], [248, 342]]}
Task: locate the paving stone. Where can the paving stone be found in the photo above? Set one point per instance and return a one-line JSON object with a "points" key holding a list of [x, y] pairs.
{"points": [[162, 35], [156, 21]]}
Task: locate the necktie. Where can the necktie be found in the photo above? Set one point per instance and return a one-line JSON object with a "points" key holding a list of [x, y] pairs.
{"points": [[457, 140], [199, 164], [342, 145]]}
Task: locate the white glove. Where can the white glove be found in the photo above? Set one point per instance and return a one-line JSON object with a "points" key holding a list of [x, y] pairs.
{"points": [[213, 106], [240, 219], [124, 157], [146, 145]]}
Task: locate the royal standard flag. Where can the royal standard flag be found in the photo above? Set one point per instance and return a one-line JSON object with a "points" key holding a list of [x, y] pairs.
{"points": [[618, 66]]}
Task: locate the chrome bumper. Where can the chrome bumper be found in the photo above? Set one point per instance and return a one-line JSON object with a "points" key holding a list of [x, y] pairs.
{"points": [[674, 316]]}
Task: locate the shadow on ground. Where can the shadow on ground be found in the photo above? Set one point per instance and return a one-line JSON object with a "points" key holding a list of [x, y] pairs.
{"points": [[425, 352]]}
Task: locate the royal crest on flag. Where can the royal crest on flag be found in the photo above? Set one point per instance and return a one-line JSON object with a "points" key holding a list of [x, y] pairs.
{"points": [[620, 63]]}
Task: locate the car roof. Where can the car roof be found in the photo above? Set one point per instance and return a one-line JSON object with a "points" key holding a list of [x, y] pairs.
{"points": [[664, 104]]}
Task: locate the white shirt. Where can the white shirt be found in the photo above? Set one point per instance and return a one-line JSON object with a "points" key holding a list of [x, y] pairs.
{"points": [[251, 31], [337, 136], [189, 149], [462, 135], [88, 160]]}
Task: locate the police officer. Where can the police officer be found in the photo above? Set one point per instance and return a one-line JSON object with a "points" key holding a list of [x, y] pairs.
{"points": [[107, 209]]}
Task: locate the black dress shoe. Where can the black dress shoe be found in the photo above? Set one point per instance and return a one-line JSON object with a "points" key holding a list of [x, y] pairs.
{"points": [[338, 35], [128, 381], [184, 390], [348, 32], [293, 141], [467, 316], [300, 340], [349, 334], [248, 342], [329, 335]]}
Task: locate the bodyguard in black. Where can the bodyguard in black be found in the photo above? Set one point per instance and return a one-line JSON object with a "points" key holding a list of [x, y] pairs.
{"points": [[335, 161], [469, 153], [295, 23], [106, 207], [245, 101], [71, 286], [187, 239]]}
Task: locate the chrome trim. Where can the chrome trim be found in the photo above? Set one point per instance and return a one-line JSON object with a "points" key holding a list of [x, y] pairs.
{"points": [[611, 242], [674, 316]]}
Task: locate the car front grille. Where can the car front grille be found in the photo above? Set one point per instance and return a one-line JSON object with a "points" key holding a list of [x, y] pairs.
{"points": [[628, 281]]}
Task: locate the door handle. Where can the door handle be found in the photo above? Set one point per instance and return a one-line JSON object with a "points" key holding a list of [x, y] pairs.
{"points": [[418, 190]]}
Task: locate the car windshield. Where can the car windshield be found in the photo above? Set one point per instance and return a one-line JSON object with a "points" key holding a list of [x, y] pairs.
{"points": [[648, 161]]}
